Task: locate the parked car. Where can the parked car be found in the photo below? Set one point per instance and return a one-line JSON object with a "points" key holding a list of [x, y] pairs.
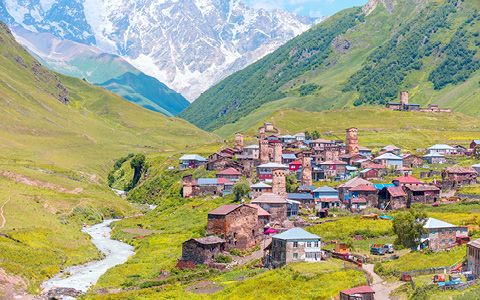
{"points": [[377, 251], [388, 248]]}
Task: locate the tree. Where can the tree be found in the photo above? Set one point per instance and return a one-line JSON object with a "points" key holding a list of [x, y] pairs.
{"points": [[291, 183], [137, 164], [408, 226], [241, 189]]}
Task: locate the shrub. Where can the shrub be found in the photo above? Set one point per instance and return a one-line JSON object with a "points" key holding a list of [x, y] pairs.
{"points": [[222, 259]]}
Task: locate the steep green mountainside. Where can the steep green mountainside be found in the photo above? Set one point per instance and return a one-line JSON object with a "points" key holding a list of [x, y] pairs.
{"points": [[357, 57], [59, 137], [110, 71]]}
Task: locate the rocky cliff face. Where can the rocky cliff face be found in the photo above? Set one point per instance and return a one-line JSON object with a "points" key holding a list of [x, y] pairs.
{"points": [[187, 44]]}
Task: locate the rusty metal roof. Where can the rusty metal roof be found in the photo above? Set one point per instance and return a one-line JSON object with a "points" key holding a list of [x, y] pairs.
{"points": [[422, 188], [269, 198], [365, 289], [396, 191], [461, 170], [224, 209]]}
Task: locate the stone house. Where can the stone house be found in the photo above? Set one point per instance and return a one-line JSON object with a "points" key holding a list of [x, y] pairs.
{"points": [[334, 168], [252, 151], [274, 204], [211, 186], [358, 204], [345, 187], [369, 174], [237, 224], [265, 171], [392, 197], [191, 161], [366, 192], [263, 215], [392, 149], [473, 254], [218, 161], [294, 245], [442, 235], [389, 160], [358, 293], [462, 175], [321, 143], [406, 180], [230, 174], [421, 194], [363, 163], [202, 250], [364, 151], [412, 161], [434, 158], [322, 203], [260, 188], [442, 149], [306, 199]]}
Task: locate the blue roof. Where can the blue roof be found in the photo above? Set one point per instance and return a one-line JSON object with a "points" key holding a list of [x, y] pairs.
{"points": [[289, 156], [325, 189], [296, 234], [312, 187], [207, 181], [381, 186], [476, 141], [302, 196], [193, 157], [365, 171]]}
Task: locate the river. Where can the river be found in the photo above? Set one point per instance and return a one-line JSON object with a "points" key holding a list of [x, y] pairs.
{"points": [[85, 276]]}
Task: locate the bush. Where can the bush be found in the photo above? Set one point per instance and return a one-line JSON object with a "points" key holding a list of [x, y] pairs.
{"points": [[222, 259], [378, 268]]}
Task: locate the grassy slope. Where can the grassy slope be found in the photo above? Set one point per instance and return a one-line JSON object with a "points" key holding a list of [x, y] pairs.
{"points": [[79, 139], [333, 73]]}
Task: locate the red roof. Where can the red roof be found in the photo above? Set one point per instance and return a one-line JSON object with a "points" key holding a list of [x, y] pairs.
{"points": [[229, 171], [223, 181], [297, 162], [396, 191], [363, 188], [407, 179], [261, 211], [375, 166], [359, 200], [327, 200], [224, 209], [364, 289]]}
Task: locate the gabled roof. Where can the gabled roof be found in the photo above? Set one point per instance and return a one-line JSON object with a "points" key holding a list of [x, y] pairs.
{"points": [[300, 196], [396, 191], [366, 170], [461, 170], [224, 209], [354, 182], [358, 290], [229, 171], [325, 189], [260, 185], [376, 166], [312, 187], [476, 165], [434, 223], [441, 147], [474, 243], [407, 179], [296, 234], [351, 168], [269, 198], [322, 141], [327, 200], [261, 211], [433, 154], [192, 157], [476, 141], [213, 181], [289, 156], [422, 188], [363, 148], [272, 165], [388, 155], [209, 240], [295, 163], [363, 188], [390, 148], [333, 162]]}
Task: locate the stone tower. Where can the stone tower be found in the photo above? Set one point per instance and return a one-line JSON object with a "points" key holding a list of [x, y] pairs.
{"points": [[306, 170], [261, 133], [239, 141], [403, 98], [331, 153], [279, 182], [187, 186], [263, 152], [352, 141], [277, 153]]}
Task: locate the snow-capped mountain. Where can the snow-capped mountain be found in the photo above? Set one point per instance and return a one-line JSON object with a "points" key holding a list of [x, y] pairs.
{"points": [[187, 44]]}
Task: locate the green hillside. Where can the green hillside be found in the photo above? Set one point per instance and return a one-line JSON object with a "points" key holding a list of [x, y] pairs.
{"points": [[59, 137], [429, 48]]}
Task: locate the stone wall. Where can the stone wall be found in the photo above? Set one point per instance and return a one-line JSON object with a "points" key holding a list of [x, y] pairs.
{"points": [[198, 253]]}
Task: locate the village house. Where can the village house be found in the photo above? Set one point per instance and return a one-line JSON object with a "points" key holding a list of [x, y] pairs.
{"points": [[363, 163], [476, 167], [212, 186], [218, 161], [442, 149], [366, 192], [263, 215], [462, 175], [473, 254], [334, 168], [325, 192], [260, 188], [203, 250], [230, 174], [389, 160], [403, 105], [357, 204], [474, 143], [306, 199], [421, 194], [403, 171], [294, 166], [191, 161], [286, 139], [323, 203], [265, 171], [369, 174], [406, 180], [364, 151], [412, 161], [252, 151], [274, 204], [392, 149], [344, 188], [358, 293], [300, 136], [349, 158], [237, 224], [293, 207], [392, 198], [460, 150], [295, 245], [321, 143], [380, 168], [442, 235], [434, 158], [288, 158]]}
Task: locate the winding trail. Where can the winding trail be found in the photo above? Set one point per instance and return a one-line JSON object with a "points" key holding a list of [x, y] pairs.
{"points": [[382, 289], [4, 221]]}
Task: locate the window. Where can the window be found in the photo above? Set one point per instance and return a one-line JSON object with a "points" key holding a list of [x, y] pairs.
{"points": [[309, 244], [295, 255], [450, 231], [281, 255], [295, 244], [443, 241], [316, 244], [443, 231], [450, 241]]}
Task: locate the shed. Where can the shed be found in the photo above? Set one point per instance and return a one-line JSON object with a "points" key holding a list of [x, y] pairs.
{"points": [[358, 293]]}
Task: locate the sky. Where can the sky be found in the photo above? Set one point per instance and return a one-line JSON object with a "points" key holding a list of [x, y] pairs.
{"points": [[312, 8]]}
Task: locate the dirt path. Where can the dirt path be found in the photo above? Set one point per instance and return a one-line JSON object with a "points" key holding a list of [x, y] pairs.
{"points": [[382, 289], [4, 221]]}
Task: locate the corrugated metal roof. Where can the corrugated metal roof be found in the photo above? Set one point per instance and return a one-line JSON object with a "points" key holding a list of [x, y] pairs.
{"points": [[207, 181], [441, 147], [252, 147], [422, 188], [269, 198], [296, 234], [363, 188], [354, 182], [229, 171], [396, 191], [407, 179], [312, 187], [272, 165], [433, 154], [224, 209], [260, 185], [363, 148], [359, 200], [474, 243], [324, 189], [301, 196], [192, 157], [461, 170], [434, 223], [365, 289], [390, 148], [289, 156], [388, 155], [379, 186]]}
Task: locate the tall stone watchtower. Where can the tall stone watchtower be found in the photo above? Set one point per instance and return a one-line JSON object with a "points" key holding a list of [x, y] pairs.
{"points": [[306, 170], [263, 152], [403, 99], [187, 186], [277, 153], [352, 141], [239, 141], [279, 186], [261, 133]]}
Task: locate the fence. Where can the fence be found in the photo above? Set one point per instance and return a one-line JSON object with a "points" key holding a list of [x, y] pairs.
{"points": [[430, 271], [468, 196]]}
